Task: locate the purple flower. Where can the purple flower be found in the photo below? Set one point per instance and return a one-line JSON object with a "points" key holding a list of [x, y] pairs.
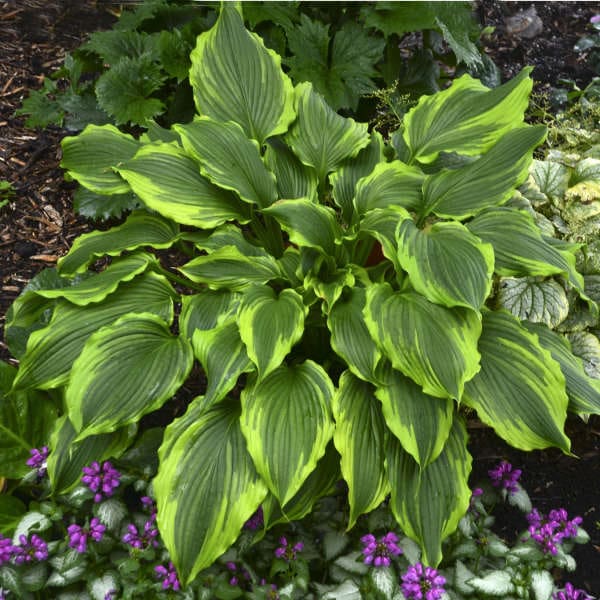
{"points": [[28, 550], [239, 576], [377, 553], [37, 460], [595, 19], [3, 594], [286, 551], [570, 593], [78, 535], [549, 532], [169, 576], [422, 583], [256, 521], [7, 550], [149, 504], [147, 538], [504, 476], [101, 479]]}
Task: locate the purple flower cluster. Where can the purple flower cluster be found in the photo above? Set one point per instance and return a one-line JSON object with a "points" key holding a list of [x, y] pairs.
{"points": [[287, 551], [37, 460], [504, 476], [422, 583], [570, 593], [169, 576], [550, 531], [78, 535], [256, 521], [143, 540], [239, 576], [101, 479], [7, 550], [29, 550], [378, 553]]}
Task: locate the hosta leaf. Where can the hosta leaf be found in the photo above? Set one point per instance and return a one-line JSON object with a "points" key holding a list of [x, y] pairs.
{"points": [[231, 70], [90, 157], [224, 483], [169, 182], [52, 350], [26, 419], [485, 182], [229, 268], [223, 357], [95, 206], [519, 247], [12, 511], [551, 177], [446, 263], [320, 137], [97, 287], [421, 423], [140, 229], [533, 300], [226, 235], [341, 75], [229, 159], [583, 391], [428, 503], [467, 118], [520, 390], [206, 310], [587, 346], [433, 345], [294, 180], [350, 337], [124, 371], [360, 439], [390, 184], [308, 224], [270, 324], [381, 224], [68, 457], [330, 288], [287, 424], [345, 178]]}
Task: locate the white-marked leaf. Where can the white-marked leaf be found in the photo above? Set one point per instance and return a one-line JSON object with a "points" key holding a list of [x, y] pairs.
{"points": [[551, 177], [495, 583], [586, 346]]}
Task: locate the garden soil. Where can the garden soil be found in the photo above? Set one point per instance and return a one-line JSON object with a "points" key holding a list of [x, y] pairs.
{"points": [[39, 226]]}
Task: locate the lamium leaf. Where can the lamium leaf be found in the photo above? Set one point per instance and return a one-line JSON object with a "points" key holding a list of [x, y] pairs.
{"points": [[359, 437], [551, 177], [519, 247], [433, 345], [286, 420], [467, 118], [308, 224], [583, 391], [68, 457], [320, 137], [52, 350], [350, 337], [428, 503], [125, 371], [584, 183], [345, 178], [229, 268], [270, 324], [100, 285], [236, 78], [224, 483], [206, 310], [421, 422], [294, 180], [488, 181], [223, 357], [586, 346], [446, 263], [168, 181], [531, 299], [390, 184], [140, 229], [520, 389], [229, 159], [90, 157]]}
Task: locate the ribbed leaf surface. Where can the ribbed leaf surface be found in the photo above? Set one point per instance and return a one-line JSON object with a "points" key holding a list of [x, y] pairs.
{"points": [[428, 503], [169, 182], [229, 159], [205, 455], [286, 420], [360, 439], [520, 390], [206, 310], [125, 371], [236, 78]]}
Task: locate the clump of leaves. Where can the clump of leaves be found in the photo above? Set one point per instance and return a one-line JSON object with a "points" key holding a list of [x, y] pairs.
{"points": [[7, 192], [338, 292]]}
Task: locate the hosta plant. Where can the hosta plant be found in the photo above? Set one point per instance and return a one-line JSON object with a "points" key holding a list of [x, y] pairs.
{"points": [[336, 289]]}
